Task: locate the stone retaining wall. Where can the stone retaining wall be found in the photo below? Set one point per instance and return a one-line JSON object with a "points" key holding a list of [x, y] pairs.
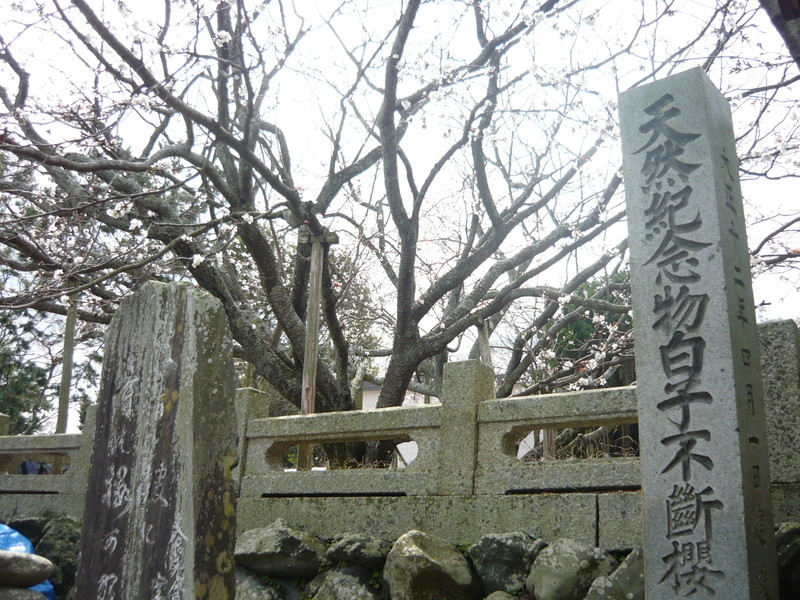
{"points": [[278, 562]]}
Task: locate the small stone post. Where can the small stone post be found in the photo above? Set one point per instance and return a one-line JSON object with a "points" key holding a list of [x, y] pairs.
{"points": [[160, 510], [705, 471], [5, 423], [466, 384], [250, 404]]}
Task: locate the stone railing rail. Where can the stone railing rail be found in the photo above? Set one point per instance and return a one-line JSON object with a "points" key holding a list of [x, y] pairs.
{"points": [[466, 445], [503, 423], [268, 439], [58, 492], [466, 479]]}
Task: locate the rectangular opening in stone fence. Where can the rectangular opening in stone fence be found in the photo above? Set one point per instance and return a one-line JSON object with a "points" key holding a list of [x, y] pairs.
{"points": [[579, 443], [503, 423]]}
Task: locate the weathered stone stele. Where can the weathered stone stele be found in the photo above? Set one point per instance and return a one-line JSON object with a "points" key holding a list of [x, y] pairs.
{"points": [[160, 514], [705, 473]]}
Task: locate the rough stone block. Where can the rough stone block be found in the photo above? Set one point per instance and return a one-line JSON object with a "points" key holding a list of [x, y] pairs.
{"points": [[11, 593], [503, 560], [421, 566], [566, 569], [60, 544], [625, 583], [22, 569], [280, 551], [358, 549]]}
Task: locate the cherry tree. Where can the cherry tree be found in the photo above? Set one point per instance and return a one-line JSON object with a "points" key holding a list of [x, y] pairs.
{"points": [[464, 154]]}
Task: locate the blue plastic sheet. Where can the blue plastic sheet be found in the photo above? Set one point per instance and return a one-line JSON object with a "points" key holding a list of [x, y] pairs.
{"points": [[13, 541]]}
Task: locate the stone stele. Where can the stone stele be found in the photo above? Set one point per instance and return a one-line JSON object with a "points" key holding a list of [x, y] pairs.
{"points": [[160, 510], [705, 472]]}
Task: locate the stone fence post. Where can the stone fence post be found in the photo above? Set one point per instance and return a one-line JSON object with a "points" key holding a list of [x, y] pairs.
{"points": [[250, 404], [780, 370], [160, 512], [466, 384], [5, 422]]}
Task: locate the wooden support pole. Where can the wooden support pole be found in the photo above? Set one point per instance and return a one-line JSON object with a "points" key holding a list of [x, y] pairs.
{"points": [[68, 356], [66, 364], [311, 351], [483, 343]]}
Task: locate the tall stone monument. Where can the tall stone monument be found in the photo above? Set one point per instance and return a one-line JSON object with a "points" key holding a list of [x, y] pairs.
{"points": [[160, 510], [705, 473]]}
